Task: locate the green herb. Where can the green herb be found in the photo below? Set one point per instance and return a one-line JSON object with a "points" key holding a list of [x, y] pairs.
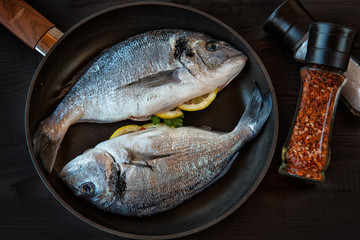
{"points": [[155, 120], [175, 122]]}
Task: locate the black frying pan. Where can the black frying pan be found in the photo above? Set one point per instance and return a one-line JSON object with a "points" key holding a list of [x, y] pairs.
{"points": [[87, 39]]}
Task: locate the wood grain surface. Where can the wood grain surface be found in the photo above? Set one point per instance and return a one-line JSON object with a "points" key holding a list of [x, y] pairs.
{"points": [[24, 21], [280, 208]]}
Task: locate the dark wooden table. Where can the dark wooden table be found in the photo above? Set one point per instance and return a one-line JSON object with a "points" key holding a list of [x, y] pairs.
{"points": [[280, 208]]}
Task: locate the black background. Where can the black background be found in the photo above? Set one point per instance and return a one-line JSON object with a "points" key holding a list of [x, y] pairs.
{"points": [[280, 208]]}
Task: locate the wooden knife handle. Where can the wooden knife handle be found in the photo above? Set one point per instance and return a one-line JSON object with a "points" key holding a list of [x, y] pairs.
{"points": [[23, 21]]}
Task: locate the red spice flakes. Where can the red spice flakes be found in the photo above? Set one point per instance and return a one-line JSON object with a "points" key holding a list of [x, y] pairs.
{"points": [[306, 154]]}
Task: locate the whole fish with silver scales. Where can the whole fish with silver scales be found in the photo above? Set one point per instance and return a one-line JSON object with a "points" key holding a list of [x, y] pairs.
{"points": [[154, 170], [144, 75]]}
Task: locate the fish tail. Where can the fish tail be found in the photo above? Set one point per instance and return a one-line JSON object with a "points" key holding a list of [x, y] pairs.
{"points": [[255, 115], [46, 142]]}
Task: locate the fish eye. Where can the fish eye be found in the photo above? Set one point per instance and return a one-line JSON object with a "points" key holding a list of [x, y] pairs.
{"points": [[88, 189], [212, 46]]}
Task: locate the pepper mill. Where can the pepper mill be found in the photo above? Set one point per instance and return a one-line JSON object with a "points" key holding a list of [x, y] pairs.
{"points": [[290, 24], [306, 152]]}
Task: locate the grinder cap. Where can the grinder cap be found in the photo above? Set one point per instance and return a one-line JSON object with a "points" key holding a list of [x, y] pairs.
{"points": [[289, 23], [330, 45]]}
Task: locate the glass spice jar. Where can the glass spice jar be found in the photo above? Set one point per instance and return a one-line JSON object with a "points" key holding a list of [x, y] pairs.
{"points": [[306, 152]]}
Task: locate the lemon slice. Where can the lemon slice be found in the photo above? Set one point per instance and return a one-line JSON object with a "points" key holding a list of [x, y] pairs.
{"points": [[134, 128], [124, 130], [174, 113], [199, 103]]}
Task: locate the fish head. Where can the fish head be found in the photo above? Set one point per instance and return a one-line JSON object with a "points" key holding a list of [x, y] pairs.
{"points": [[93, 176], [215, 63]]}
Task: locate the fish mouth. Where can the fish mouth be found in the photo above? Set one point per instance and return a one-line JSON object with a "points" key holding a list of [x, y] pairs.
{"points": [[240, 60], [242, 57], [237, 60], [68, 169], [72, 166], [78, 162]]}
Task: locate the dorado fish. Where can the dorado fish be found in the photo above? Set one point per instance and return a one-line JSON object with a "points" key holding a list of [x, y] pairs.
{"points": [[154, 170], [147, 74]]}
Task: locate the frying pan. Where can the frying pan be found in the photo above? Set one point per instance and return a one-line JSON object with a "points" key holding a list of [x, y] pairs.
{"points": [[64, 57]]}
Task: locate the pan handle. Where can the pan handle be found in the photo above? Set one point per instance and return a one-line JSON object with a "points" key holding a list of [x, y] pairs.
{"points": [[28, 25]]}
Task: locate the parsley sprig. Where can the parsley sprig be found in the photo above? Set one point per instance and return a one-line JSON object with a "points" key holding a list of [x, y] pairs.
{"points": [[174, 122]]}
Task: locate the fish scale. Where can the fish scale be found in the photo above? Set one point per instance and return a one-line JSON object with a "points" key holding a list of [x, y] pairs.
{"points": [[161, 167], [149, 73]]}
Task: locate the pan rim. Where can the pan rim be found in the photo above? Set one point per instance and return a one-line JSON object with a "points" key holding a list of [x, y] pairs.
{"points": [[173, 235]]}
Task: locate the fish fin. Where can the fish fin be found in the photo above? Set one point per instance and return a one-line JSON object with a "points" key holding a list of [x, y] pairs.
{"points": [[46, 143], [256, 113], [141, 159], [139, 164], [159, 79]]}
